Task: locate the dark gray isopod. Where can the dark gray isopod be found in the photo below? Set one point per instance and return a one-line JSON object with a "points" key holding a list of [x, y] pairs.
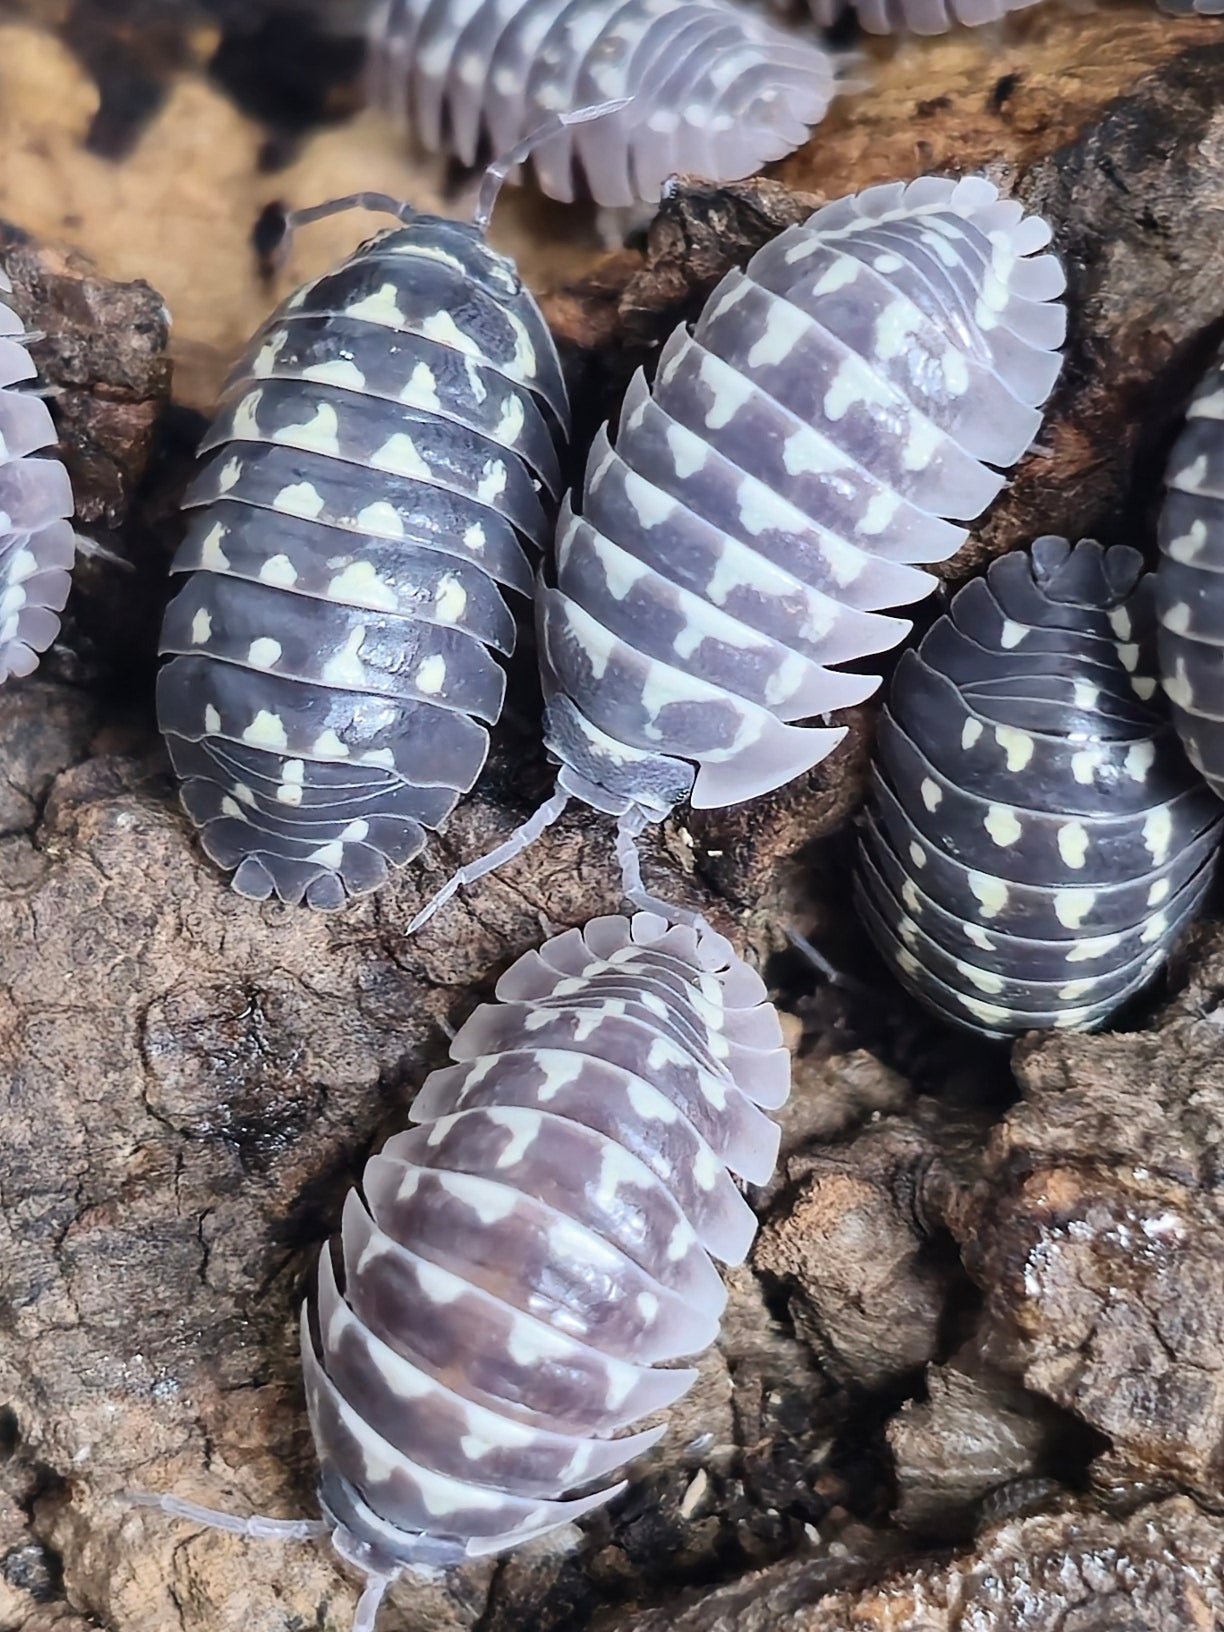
{"points": [[524, 1268], [1190, 580], [1035, 841], [37, 543], [381, 467], [838, 408]]}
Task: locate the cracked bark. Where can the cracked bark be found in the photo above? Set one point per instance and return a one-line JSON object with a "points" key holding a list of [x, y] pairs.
{"points": [[960, 1305]]}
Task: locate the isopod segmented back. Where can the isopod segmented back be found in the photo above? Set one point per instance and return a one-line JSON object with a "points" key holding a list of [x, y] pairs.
{"points": [[1036, 841], [839, 407], [37, 543], [715, 89], [524, 1267], [382, 464], [1190, 580]]}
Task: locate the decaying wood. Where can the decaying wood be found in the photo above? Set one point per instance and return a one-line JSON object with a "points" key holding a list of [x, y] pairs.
{"points": [[960, 1306]]}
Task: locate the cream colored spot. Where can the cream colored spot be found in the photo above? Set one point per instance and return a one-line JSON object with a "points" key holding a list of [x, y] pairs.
{"points": [[339, 371], [1012, 634], [431, 676], [1001, 823], [278, 570], [981, 978], [360, 585], [1083, 765], [931, 792], [492, 483], [344, 668], [1017, 745], [400, 457], [299, 499], [244, 415], [917, 854], [212, 556], [201, 627], [264, 652], [1158, 834], [972, 731], [1073, 844], [991, 893], [380, 307], [229, 474], [1140, 758], [329, 746], [212, 720], [381, 519], [266, 730], [1071, 907], [450, 599], [1158, 892], [319, 435]]}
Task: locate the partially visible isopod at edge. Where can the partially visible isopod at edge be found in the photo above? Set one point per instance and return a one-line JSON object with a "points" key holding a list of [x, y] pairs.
{"points": [[1036, 841], [1190, 579], [916, 16], [714, 88], [37, 543]]}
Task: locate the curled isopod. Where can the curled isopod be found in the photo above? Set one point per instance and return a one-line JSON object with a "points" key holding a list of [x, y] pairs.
{"points": [[1036, 841], [715, 89], [838, 409], [525, 1269], [37, 543]]}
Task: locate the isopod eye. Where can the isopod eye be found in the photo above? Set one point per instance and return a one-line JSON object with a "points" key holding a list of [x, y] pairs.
{"points": [[1036, 841]]}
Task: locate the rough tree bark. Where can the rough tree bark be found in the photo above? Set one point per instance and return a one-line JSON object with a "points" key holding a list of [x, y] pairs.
{"points": [[963, 1308]]}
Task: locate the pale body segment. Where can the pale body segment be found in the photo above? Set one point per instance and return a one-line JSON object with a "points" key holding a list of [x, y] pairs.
{"points": [[1190, 580], [717, 90], [37, 543], [1035, 842], [381, 469]]}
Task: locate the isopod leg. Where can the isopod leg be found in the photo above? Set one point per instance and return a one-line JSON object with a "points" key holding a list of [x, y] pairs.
{"points": [[519, 840], [256, 1527]]}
